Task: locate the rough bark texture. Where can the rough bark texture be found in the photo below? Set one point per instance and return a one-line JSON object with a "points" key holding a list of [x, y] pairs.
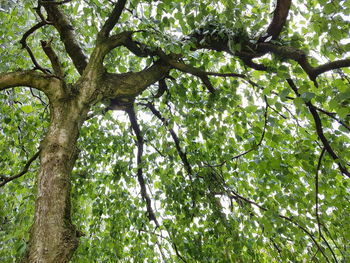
{"points": [[53, 236]]}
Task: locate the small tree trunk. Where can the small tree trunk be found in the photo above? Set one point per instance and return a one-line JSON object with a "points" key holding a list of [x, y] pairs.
{"points": [[53, 237]]}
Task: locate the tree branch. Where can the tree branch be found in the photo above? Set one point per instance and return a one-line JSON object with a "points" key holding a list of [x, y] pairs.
{"points": [[173, 61], [279, 19], [23, 42], [67, 34], [176, 140], [4, 180], [232, 194], [140, 142], [112, 19], [319, 130], [55, 62], [27, 78], [316, 189], [41, 2], [332, 115], [255, 146], [129, 85]]}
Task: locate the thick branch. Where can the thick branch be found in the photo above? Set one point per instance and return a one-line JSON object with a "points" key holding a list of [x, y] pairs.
{"points": [[67, 34], [301, 57], [279, 19], [4, 180], [54, 3], [27, 78], [331, 66], [129, 85], [112, 19]]}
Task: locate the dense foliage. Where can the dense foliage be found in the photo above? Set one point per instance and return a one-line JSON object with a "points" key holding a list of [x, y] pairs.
{"points": [[227, 160]]}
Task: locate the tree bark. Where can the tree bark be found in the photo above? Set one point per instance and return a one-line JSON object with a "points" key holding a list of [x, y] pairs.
{"points": [[53, 237]]}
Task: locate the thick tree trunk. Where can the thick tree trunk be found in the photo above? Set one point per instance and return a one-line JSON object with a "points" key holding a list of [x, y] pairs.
{"points": [[53, 237]]}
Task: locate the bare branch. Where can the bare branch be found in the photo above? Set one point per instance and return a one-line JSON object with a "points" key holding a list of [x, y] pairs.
{"points": [[112, 19], [133, 83], [331, 66], [317, 204], [301, 57], [332, 115], [4, 180], [203, 75], [316, 189]]}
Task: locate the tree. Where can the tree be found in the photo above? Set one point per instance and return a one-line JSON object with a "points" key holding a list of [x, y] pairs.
{"points": [[175, 131]]}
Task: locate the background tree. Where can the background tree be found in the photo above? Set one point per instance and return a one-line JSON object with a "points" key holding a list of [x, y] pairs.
{"points": [[231, 144]]}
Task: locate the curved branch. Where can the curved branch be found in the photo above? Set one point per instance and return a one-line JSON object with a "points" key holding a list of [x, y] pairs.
{"points": [[23, 42], [67, 34], [4, 180], [319, 130], [140, 141], [27, 78], [255, 146], [301, 57], [129, 85]]}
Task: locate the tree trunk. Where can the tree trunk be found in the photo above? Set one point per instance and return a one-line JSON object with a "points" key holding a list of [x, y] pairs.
{"points": [[53, 237]]}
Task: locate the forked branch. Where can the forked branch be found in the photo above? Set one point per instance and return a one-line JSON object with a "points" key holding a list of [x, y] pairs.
{"points": [[67, 34]]}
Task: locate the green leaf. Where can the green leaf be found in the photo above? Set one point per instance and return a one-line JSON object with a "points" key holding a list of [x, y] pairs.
{"points": [[27, 108]]}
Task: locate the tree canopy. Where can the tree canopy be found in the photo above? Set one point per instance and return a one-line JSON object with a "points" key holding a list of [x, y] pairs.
{"points": [[175, 131]]}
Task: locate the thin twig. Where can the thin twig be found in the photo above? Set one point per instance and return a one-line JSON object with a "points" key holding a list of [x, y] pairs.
{"points": [[317, 190], [4, 180], [176, 140], [255, 146]]}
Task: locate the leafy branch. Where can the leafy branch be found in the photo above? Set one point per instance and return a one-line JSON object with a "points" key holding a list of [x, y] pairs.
{"points": [[4, 180], [319, 130], [140, 142], [176, 140]]}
